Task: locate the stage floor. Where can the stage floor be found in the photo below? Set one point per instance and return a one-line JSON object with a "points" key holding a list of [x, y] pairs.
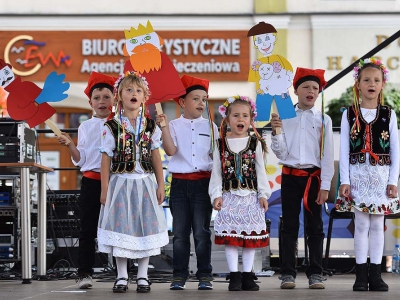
{"points": [[336, 287]]}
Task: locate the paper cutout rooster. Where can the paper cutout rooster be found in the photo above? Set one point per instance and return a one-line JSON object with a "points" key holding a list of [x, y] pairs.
{"points": [[28, 102]]}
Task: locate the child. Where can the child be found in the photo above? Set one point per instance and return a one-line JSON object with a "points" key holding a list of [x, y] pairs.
{"points": [[369, 170], [132, 223], [239, 189], [87, 156], [189, 141], [305, 149]]}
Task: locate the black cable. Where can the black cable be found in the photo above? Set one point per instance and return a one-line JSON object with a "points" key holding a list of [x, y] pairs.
{"points": [[369, 54]]}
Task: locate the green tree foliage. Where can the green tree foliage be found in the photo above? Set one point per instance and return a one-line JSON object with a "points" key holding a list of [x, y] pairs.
{"points": [[335, 107]]}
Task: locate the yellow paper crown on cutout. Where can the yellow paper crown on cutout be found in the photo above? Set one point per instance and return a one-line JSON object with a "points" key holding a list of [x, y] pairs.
{"points": [[141, 30]]}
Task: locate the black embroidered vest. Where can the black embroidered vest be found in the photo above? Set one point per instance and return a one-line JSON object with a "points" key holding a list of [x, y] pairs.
{"points": [[377, 134], [245, 161], [124, 159]]}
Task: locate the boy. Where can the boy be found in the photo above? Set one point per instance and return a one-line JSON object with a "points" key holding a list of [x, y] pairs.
{"points": [[88, 157], [306, 174], [188, 141]]}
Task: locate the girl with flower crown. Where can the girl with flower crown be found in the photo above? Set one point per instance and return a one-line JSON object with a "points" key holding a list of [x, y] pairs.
{"points": [[132, 223], [239, 190], [369, 170]]}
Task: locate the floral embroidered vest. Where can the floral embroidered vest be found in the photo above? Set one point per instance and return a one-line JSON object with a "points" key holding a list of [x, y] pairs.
{"points": [[240, 168], [124, 159], [373, 137]]}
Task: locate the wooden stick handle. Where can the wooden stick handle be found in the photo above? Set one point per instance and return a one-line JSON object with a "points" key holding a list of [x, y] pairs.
{"points": [[56, 130], [159, 112], [275, 110], [53, 127]]}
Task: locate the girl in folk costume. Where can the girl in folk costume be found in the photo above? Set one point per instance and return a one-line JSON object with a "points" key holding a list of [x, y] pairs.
{"points": [[369, 170], [132, 223], [239, 190]]}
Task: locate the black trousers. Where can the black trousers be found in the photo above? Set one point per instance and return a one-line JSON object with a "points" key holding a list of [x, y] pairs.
{"points": [[89, 204], [292, 191]]}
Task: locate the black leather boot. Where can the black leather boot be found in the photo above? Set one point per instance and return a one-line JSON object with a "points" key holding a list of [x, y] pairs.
{"points": [[361, 284], [248, 283], [375, 280], [235, 281]]}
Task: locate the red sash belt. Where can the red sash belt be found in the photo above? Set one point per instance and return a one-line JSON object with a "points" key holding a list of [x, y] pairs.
{"points": [[300, 172], [192, 176], [92, 175], [368, 144]]}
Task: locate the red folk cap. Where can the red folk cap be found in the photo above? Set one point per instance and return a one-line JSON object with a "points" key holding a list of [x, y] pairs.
{"points": [[191, 83], [98, 80], [303, 74], [3, 64]]}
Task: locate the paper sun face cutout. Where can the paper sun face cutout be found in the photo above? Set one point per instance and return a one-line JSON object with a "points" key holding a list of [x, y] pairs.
{"points": [[272, 73], [144, 48]]}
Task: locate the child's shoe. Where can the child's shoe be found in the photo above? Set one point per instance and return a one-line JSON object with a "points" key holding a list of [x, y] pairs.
{"points": [[205, 283], [288, 282], [248, 283], [178, 283], [361, 284], [315, 282], [143, 288], [375, 280], [235, 281]]}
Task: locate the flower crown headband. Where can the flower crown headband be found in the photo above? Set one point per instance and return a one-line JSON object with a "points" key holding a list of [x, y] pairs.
{"points": [[121, 77], [372, 61], [223, 108]]}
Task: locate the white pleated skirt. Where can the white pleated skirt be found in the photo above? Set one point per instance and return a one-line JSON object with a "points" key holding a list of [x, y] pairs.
{"points": [[131, 223]]}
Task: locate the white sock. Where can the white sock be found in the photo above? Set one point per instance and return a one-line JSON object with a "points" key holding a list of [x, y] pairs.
{"points": [[232, 257], [376, 238], [361, 230], [143, 266], [122, 269], [248, 259]]}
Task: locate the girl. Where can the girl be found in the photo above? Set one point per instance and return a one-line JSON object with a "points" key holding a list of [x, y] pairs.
{"points": [[131, 224], [239, 190], [369, 169]]}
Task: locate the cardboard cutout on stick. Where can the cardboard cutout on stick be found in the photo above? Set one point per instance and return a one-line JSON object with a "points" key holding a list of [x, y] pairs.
{"points": [[143, 46], [272, 73], [27, 102]]}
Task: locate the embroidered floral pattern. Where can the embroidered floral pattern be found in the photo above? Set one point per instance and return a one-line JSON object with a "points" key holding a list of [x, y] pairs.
{"points": [[348, 204], [248, 229], [382, 141], [355, 141]]}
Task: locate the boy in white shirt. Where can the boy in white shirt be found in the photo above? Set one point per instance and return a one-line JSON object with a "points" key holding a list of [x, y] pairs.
{"points": [[305, 149], [188, 140], [88, 157]]}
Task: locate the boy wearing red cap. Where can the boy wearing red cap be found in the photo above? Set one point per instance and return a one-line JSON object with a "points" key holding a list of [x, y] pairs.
{"points": [[88, 157], [305, 149], [189, 140]]}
